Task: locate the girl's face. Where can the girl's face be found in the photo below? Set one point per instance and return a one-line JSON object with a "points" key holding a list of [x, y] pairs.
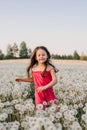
{"points": [[41, 56]]}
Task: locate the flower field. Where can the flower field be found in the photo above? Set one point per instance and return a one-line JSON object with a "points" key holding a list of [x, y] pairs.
{"points": [[17, 109]]}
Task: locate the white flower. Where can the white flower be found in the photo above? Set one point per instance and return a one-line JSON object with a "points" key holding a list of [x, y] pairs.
{"points": [[1, 105], [52, 117], [28, 101], [52, 108], [63, 108], [80, 105], [40, 121], [10, 110], [58, 126], [75, 126], [30, 106], [47, 124], [76, 106], [32, 122], [84, 118], [52, 127], [85, 109], [39, 106], [25, 124], [36, 127], [58, 115], [3, 116]]}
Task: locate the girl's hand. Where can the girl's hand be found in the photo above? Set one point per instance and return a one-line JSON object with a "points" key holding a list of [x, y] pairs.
{"points": [[41, 89], [18, 79]]}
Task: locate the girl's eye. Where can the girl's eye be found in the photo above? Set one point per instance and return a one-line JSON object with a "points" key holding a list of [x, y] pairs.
{"points": [[42, 55]]}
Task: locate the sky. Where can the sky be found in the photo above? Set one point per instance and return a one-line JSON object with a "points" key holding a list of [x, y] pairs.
{"points": [[60, 25]]}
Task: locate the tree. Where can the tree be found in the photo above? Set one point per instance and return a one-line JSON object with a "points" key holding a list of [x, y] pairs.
{"points": [[9, 54], [15, 50], [29, 52], [1, 55], [83, 56], [76, 55], [69, 57], [23, 52]]}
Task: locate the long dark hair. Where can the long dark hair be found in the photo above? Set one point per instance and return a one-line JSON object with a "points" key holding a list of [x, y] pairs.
{"points": [[33, 60]]}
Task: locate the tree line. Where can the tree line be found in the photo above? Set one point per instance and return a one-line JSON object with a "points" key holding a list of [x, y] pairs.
{"points": [[22, 52]]}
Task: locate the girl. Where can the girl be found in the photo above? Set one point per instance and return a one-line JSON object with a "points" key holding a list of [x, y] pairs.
{"points": [[43, 74]]}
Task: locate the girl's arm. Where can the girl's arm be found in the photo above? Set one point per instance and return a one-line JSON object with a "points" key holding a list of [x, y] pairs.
{"points": [[52, 83], [29, 79]]}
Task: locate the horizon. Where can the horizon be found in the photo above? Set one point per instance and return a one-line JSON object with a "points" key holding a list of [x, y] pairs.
{"points": [[4, 52]]}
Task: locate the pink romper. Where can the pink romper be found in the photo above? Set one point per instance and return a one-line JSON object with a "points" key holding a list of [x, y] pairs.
{"points": [[39, 80]]}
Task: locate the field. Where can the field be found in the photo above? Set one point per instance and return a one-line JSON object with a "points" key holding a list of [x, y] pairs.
{"points": [[55, 61], [17, 109]]}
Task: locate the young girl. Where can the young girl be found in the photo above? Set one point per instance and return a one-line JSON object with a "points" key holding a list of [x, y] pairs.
{"points": [[43, 74]]}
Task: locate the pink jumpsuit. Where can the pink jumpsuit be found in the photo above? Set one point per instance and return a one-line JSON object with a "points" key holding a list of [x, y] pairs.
{"points": [[39, 80]]}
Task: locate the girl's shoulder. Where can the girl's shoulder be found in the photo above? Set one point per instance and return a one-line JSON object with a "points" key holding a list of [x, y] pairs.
{"points": [[49, 67]]}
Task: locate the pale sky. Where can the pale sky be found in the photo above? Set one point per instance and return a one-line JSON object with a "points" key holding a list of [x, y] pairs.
{"points": [[60, 25]]}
